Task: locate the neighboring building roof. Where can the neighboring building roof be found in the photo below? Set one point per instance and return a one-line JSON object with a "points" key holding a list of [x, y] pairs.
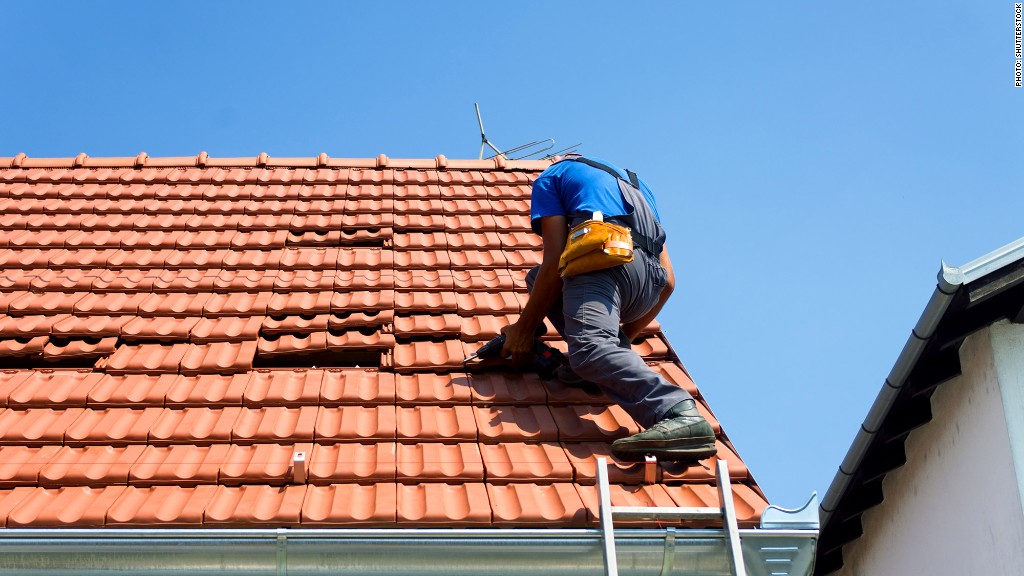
{"points": [[965, 300], [173, 331]]}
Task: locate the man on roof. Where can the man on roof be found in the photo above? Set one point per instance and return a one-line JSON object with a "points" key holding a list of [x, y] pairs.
{"points": [[600, 312]]}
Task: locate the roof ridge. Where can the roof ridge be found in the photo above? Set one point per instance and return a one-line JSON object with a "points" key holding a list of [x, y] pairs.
{"points": [[263, 160]]}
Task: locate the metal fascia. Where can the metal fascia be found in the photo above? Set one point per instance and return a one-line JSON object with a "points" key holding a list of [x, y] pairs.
{"points": [[992, 261], [380, 551]]}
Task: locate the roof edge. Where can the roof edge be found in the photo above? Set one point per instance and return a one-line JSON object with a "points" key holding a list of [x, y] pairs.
{"points": [[951, 279], [933, 313], [381, 161]]}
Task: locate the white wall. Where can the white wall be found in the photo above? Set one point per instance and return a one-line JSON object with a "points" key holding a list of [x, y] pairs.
{"points": [[1008, 352], [955, 507]]}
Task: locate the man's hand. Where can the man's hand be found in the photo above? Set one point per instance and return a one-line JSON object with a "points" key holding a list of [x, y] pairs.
{"points": [[518, 343]]}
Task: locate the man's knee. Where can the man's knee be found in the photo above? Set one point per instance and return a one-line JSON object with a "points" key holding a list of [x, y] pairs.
{"points": [[531, 278], [585, 358]]}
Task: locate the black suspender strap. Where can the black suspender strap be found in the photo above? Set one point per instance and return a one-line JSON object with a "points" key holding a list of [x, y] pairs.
{"points": [[643, 242], [633, 179], [598, 165]]}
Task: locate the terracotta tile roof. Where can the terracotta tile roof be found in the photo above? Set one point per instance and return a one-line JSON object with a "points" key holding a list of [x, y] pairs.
{"points": [[175, 331]]}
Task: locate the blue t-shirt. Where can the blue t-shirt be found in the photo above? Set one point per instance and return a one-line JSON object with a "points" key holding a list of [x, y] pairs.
{"points": [[569, 187]]}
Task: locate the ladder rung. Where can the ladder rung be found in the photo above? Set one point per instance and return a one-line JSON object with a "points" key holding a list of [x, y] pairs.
{"points": [[665, 513]]}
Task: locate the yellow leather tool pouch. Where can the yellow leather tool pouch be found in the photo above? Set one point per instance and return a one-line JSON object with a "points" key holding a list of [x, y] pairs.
{"points": [[595, 245]]}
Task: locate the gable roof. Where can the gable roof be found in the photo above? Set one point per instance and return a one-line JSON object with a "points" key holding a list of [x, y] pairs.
{"points": [[966, 299], [175, 331]]}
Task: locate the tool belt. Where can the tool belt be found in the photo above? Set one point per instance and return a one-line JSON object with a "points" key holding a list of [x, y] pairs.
{"points": [[595, 245]]}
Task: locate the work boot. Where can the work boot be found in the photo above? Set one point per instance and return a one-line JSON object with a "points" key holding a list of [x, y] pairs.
{"points": [[683, 434]]}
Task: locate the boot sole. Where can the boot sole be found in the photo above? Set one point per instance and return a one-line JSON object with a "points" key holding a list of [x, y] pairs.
{"points": [[636, 452]]}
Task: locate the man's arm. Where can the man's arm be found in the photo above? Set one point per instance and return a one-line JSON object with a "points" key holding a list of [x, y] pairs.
{"points": [[547, 287], [632, 329]]}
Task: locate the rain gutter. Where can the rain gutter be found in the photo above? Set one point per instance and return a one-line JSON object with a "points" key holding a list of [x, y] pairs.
{"points": [[449, 552], [950, 280]]}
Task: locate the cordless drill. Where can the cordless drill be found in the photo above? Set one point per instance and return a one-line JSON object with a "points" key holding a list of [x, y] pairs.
{"points": [[545, 358]]}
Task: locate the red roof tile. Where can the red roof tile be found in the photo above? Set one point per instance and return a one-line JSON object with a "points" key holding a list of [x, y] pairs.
{"points": [[178, 330], [207, 390], [432, 389], [36, 426], [340, 386], [440, 423], [69, 507], [130, 390], [219, 358], [157, 328], [349, 462], [178, 465], [44, 388], [225, 329], [145, 358], [27, 346], [90, 465], [419, 301], [427, 324], [355, 423], [170, 506], [20, 465], [253, 505], [194, 425], [522, 462], [443, 504], [94, 326], [283, 388], [350, 505], [120, 425], [437, 462], [179, 303], [275, 424], [528, 504]]}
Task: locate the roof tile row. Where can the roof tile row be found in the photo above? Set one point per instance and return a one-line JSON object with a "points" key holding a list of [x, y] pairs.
{"points": [[263, 257], [380, 504], [233, 464], [336, 386], [210, 305], [308, 423], [128, 280], [198, 198]]}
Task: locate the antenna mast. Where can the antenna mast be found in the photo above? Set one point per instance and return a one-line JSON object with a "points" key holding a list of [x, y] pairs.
{"points": [[483, 139]]}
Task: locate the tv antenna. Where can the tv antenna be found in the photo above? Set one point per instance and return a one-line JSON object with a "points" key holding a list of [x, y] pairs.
{"points": [[525, 151]]}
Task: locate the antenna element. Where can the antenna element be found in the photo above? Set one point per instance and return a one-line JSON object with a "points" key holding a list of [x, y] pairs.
{"points": [[529, 149]]}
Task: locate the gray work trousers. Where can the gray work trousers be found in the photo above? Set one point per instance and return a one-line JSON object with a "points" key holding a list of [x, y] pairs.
{"points": [[588, 316]]}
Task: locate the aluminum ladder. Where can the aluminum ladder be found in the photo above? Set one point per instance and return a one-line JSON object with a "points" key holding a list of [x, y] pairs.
{"points": [[727, 514]]}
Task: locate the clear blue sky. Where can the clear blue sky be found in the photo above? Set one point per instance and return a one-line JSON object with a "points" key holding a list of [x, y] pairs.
{"points": [[814, 161]]}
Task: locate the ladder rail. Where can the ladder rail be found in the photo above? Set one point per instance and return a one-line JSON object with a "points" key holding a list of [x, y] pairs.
{"points": [[732, 529], [611, 563]]}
